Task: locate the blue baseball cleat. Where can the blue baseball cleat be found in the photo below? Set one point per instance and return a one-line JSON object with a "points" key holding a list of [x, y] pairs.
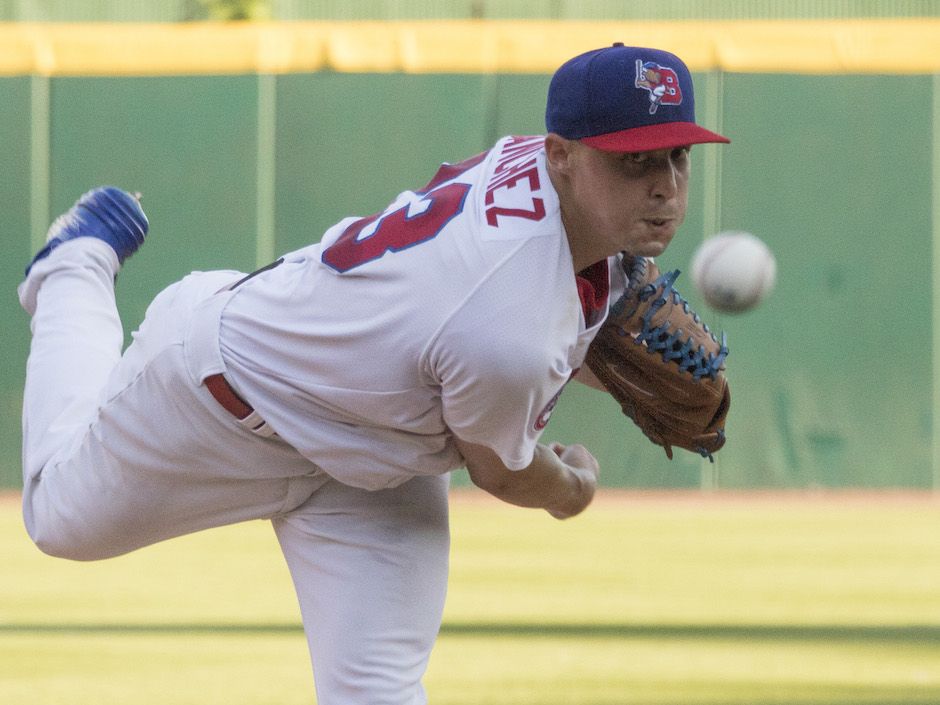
{"points": [[107, 213]]}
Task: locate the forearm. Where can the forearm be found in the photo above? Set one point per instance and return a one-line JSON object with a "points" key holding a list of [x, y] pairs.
{"points": [[561, 480], [586, 377]]}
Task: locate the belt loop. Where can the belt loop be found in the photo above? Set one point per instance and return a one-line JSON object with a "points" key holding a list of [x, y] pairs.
{"points": [[257, 425]]}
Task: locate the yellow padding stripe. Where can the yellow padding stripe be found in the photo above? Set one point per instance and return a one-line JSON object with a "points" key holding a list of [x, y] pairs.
{"points": [[893, 46]]}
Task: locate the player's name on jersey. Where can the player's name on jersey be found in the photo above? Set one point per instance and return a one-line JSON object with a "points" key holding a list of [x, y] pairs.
{"points": [[513, 187]]}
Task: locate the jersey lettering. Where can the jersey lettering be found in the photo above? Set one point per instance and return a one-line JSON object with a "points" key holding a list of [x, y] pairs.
{"points": [[509, 180], [538, 205], [516, 149], [396, 230], [537, 212], [516, 167]]}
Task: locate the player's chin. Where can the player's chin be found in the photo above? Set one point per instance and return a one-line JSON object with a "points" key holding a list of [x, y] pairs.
{"points": [[652, 245]]}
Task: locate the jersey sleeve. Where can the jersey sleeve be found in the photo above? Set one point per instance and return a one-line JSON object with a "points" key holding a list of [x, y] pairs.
{"points": [[491, 396], [501, 365]]}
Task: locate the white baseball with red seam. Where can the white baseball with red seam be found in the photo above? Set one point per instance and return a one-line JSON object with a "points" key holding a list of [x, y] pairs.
{"points": [[734, 271]]}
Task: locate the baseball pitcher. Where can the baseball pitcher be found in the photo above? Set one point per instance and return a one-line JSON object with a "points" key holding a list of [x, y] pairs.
{"points": [[333, 391]]}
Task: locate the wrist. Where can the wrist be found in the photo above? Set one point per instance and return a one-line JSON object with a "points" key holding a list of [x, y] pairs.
{"points": [[582, 486]]}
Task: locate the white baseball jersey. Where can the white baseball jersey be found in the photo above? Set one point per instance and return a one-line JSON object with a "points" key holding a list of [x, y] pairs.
{"points": [[455, 311]]}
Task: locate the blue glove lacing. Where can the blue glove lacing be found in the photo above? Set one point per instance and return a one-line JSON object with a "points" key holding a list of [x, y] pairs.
{"points": [[675, 345]]}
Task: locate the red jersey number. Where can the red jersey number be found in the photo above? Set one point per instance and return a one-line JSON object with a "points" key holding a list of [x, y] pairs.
{"points": [[396, 230]]}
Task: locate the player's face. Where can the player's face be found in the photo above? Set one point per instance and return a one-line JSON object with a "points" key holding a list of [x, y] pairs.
{"points": [[630, 201]]}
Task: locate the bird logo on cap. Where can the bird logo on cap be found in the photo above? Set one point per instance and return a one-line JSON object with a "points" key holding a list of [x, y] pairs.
{"points": [[661, 81]]}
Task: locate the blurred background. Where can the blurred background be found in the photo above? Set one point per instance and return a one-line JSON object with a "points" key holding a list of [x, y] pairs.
{"points": [[250, 127], [189, 10]]}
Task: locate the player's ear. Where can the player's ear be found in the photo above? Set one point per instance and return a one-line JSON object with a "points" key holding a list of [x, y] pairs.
{"points": [[558, 152]]}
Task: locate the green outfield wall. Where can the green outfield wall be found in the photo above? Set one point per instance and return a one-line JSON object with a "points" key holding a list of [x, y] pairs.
{"points": [[250, 140]]}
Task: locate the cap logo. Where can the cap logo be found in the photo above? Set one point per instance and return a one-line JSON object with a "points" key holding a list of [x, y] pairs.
{"points": [[661, 81]]}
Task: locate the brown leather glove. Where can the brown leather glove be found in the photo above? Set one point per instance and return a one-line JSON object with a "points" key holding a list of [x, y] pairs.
{"points": [[664, 366]]}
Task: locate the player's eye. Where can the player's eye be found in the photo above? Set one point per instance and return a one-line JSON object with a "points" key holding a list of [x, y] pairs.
{"points": [[680, 153], [636, 157]]}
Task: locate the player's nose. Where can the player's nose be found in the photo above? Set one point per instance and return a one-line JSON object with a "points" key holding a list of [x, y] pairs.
{"points": [[664, 179]]}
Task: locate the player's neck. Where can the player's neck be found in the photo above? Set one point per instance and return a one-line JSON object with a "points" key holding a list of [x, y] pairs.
{"points": [[585, 249]]}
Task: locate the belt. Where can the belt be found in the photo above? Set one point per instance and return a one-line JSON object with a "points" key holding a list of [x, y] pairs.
{"points": [[228, 399], [222, 391], [219, 388]]}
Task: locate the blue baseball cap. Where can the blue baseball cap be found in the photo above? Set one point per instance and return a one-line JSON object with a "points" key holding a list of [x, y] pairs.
{"points": [[625, 99]]}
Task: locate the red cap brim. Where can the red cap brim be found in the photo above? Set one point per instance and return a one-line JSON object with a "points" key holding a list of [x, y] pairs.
{"points": [[651, 137]]}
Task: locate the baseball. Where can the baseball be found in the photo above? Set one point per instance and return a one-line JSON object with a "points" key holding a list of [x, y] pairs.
{"points": [[733, 271]]}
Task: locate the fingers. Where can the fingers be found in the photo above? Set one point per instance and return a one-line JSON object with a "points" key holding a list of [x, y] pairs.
{"points": [[577, 456], [583, 471]]}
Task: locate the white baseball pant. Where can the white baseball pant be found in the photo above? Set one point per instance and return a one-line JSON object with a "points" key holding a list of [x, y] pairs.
{"points": [[122, 451]]}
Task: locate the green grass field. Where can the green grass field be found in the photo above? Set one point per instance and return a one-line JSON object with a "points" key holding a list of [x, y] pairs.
{"points": [[661, 599]]}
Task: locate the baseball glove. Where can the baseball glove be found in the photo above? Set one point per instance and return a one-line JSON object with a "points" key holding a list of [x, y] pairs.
{"points": [[662, 364]]}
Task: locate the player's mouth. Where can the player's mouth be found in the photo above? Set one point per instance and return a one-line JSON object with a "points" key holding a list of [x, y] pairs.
{"points": [[660, 223]]}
